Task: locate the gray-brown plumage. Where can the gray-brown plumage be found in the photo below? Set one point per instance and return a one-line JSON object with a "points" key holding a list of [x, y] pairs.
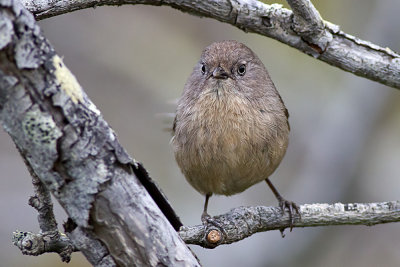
{"points": [[231, 126]]}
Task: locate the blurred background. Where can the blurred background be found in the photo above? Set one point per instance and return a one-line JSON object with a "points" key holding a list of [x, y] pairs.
{"points": [[133, 62]]}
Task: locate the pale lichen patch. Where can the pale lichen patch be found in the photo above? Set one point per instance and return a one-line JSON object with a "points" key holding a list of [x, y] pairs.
{"points": [[67, 80], [40, 128]]}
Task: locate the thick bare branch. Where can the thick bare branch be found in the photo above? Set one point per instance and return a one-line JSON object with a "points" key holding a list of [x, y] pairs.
{"points": [[67, 144], [243, 222], [325, 42]]}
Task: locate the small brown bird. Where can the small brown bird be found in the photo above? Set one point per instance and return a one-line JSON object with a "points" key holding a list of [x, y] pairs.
{"points": [[231, 126]]}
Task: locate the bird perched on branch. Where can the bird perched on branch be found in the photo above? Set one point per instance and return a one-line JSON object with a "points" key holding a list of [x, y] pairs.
{"points": [[231, 126]]}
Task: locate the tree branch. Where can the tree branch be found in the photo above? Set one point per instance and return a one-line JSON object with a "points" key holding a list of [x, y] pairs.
{"points": [[243, 222], [307, 22], [67, 144], [41, 201], [49, 239], [37, 244], [320, 39]]}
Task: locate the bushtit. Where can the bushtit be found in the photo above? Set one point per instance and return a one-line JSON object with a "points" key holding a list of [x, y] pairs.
{"points": [[231, 126]]}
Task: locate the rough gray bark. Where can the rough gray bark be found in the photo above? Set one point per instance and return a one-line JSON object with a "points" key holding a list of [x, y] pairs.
{"points": [[243, 222], [302, 29], [67, 144]]}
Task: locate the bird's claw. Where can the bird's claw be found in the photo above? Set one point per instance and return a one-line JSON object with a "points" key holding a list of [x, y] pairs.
{"points": [[206, 219], [292, 208]]}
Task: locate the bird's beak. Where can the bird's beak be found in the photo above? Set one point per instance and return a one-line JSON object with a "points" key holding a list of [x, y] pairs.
{"points": [[220, 73]]}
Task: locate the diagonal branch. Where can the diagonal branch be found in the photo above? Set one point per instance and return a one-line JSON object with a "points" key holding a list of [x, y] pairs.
{"points": [[243, 222], [320, 39], [66, 143]]}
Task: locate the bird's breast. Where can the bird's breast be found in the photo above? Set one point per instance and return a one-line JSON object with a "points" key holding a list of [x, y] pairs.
{"points": [[222, 143]]}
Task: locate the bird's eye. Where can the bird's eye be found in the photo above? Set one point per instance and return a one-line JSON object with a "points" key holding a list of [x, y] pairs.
{"points": [[203, 69], [241, 70]]}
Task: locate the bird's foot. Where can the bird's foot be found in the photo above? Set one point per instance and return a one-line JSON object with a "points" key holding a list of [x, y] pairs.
{"points": [[292, 208], [206, 219]]}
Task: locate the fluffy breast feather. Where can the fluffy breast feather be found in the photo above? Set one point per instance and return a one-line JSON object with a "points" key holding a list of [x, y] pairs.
{"points": [[226, 143]]}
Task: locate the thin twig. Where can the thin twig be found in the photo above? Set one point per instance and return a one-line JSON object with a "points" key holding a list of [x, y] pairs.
{"points": [[243, 222], [49, 239], [37, 244], [41, 201]]}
